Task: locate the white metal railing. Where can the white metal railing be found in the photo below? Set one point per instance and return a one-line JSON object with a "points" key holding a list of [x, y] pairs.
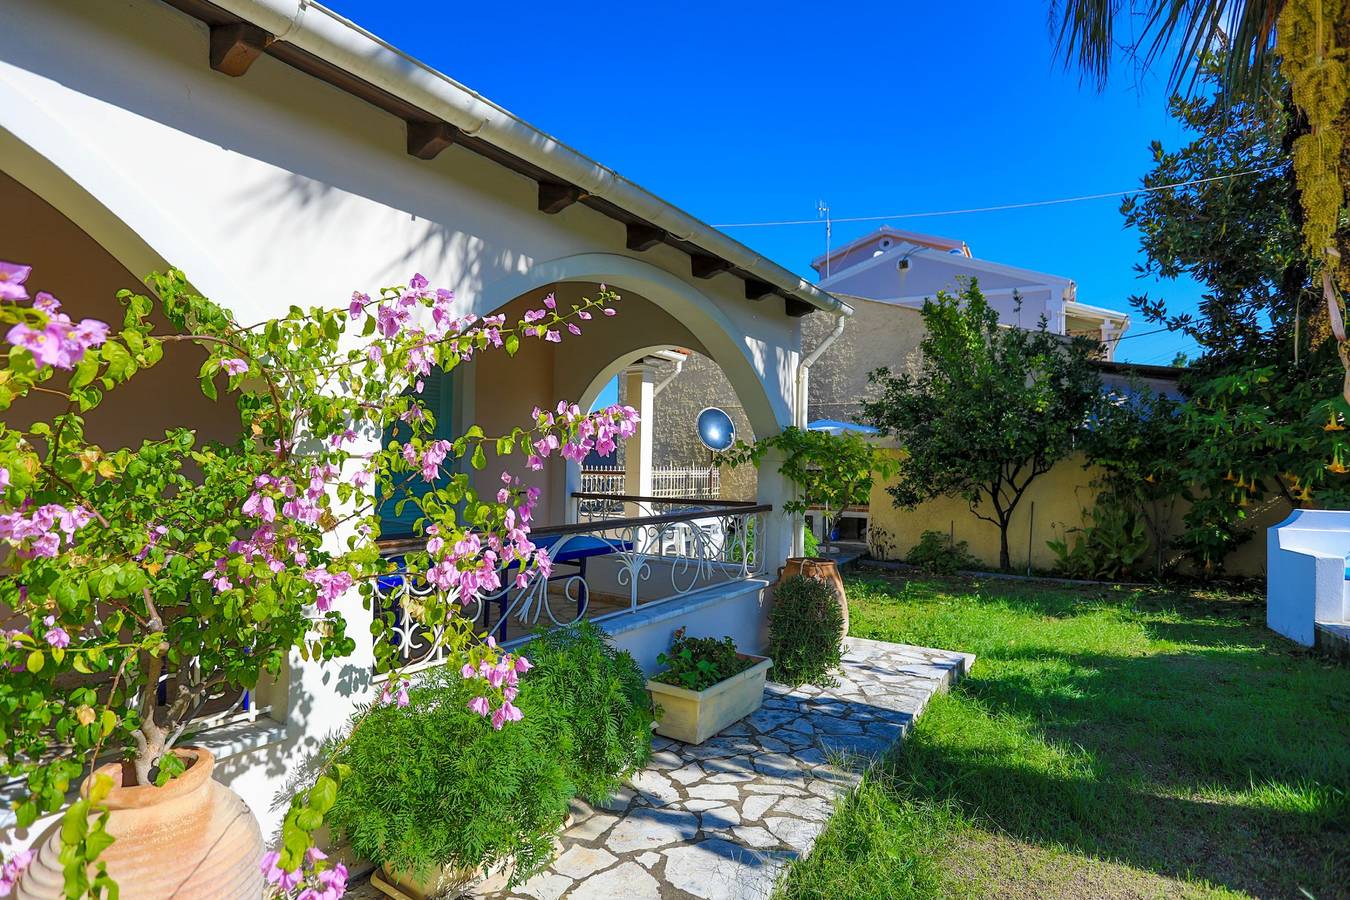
{"points": [[667, 481], [651, 550]]}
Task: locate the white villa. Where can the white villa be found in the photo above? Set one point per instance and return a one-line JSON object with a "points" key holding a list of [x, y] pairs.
{"points": [[904, 268], [280, 154]]}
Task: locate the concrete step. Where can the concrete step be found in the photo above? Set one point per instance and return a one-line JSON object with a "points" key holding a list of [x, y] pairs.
{"points": [[1333, 639]]}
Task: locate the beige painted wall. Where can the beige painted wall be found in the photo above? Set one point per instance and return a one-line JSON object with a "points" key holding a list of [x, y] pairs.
{"points": [[506, 389], [72, 266], [1060, 497]]}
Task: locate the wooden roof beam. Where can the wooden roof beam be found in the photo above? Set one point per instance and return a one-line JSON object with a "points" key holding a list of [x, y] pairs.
{"points": [[427, 139], [235, 47], [701, 266], [554, 197], [644, 237], [756, 289]]}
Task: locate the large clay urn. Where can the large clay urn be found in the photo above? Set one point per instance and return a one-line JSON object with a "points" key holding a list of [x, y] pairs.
{"points": [[821, 570], [192, 839]]}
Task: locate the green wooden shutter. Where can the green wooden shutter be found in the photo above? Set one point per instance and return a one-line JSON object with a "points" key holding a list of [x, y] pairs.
{"points": [[438, 395]]}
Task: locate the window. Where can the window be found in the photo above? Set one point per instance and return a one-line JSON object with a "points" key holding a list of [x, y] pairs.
{"points": [[438, 396]]}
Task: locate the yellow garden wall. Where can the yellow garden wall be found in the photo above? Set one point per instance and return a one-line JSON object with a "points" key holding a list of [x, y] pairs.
{"points": [[1060, 497]]}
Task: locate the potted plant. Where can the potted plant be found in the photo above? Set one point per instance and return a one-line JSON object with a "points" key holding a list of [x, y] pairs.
{"points": [[601, 696], [707, 684], [439, 799], [806, 630], [831, 472], [140, 583]]}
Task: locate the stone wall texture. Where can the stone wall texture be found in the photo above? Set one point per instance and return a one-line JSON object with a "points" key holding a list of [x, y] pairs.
{"points": [[675, 442], [878, 334]]}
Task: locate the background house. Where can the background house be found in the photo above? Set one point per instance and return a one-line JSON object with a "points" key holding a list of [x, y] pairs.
{"points": [[885, 276]]}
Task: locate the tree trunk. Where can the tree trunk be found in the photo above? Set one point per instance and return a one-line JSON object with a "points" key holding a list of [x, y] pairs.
{"points": [[1004, 560]]}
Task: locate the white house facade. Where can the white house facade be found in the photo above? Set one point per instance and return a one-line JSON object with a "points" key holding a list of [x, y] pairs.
{"points": [[279, 154]]}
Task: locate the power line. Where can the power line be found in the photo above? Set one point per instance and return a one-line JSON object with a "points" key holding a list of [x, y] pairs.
{"points": [[1006, 206], [1126, 337]]}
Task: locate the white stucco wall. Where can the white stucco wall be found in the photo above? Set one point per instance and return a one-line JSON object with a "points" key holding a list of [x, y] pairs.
{"points": [[1305, 580], [274, 188]]}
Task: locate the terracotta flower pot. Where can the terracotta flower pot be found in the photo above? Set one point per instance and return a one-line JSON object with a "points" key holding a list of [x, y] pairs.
{"points": [[821, 570], [449, 881], [193, 837]]}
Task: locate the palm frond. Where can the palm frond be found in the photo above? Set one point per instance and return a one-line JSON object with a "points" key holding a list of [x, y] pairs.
{"points": [[1243, 31]]}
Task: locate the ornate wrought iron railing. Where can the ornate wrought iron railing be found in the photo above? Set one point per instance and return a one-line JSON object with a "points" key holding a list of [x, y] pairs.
{"points": [[612, 562], [667, 481]]}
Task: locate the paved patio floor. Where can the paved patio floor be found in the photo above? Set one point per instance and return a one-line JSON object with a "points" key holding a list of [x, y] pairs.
{"points": [[721, 821]]}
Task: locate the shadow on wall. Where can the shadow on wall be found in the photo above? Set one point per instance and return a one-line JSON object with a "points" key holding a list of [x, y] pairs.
{"points": [[85, 278], [1060, 496], [700, 383]]}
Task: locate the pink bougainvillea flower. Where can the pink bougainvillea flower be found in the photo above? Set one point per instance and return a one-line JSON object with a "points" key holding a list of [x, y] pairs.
{"points": [[4, 478], [56, 635], [12, 278], [61, 343], [505, 713], [234, 366], [357, 308], [12, 869]]}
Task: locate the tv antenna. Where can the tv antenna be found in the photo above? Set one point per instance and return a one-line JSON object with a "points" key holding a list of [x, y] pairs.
{"points": [[823, 212]]}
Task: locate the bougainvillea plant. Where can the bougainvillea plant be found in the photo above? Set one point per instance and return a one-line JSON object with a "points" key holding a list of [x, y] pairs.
{"points": [[139, 582]]}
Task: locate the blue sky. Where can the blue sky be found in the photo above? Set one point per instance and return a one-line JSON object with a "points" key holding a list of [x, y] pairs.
{"points": [[746, 112]]}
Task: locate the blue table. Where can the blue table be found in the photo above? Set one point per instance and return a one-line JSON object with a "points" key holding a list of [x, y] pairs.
{"points": [[576, 551]]}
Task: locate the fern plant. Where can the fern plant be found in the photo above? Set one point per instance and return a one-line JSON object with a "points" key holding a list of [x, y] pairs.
{"points": [[601, 697], [433, 785]]}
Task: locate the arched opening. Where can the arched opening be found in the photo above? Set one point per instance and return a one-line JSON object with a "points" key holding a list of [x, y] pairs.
{"points": [[671, 385], [652, 542]]}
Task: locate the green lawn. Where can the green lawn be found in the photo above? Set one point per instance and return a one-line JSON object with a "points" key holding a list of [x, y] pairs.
{"points": [[1108, 743]]}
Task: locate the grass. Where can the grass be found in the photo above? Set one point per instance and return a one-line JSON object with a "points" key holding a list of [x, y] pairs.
{"points": [[1108, 743]]}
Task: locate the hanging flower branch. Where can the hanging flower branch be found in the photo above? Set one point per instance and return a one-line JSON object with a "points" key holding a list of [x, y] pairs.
{"points": [[180, 568]]}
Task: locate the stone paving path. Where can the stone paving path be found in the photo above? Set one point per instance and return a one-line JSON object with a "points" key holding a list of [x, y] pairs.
{"points": [[721, 821]]}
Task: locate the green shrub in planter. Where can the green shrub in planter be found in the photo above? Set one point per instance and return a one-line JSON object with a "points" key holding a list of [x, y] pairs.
{"points": [[432, 784], [697, 664], [806, 627], [600, 694]]}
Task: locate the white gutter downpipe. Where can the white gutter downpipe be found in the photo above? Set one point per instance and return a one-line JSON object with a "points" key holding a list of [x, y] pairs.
{"points": [[799, 405], [342, 43], [804, 367]]}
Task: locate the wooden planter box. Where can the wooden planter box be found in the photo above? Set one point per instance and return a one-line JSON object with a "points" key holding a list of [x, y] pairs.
{"points": [[695, 716]]}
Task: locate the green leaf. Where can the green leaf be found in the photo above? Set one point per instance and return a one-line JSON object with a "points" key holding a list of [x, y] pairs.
{"points": [[36, 660], [323, 795]]}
